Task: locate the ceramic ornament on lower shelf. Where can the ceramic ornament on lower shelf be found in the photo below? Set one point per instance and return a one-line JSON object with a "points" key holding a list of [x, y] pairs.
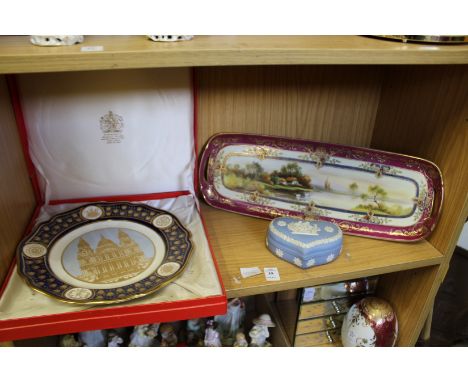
{"points": [[212, 336], [114, 340], [194, 332], [168, 335], [93, 338], [144, 335], [259, 332], [229, 324], [240, 341], [69, 340], [371, 322], [304, 243]]}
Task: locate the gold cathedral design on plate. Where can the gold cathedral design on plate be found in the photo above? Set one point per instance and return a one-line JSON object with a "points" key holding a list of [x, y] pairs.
{"points": [[110, 262]]}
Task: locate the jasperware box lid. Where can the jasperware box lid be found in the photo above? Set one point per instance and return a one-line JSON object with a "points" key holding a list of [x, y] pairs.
{"points": [[305, 238]]}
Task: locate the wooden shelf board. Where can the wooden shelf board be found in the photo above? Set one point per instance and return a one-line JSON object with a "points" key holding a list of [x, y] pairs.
{"points": [[288, 312], [18, 55], [239, 241]]}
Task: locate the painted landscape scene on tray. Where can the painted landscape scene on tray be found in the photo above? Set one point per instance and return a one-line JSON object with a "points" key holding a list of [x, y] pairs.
{"points": [[330, 186]]}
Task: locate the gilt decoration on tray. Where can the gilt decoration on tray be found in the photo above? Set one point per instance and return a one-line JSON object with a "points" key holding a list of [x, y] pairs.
{"points": [[104, 253], [366, 192]]}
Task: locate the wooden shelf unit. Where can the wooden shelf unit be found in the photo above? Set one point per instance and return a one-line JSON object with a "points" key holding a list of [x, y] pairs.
{"points": [[18, 55], [239, 241], [298, 87]]}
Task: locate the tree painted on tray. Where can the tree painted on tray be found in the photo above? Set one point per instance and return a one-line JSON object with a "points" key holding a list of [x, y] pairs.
{"points": [[375, 202], [377, 194], [291, 175], [353, 187], [254, 170], [253, 177]]}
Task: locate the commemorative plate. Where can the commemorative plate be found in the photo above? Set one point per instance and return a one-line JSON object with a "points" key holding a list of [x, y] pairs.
{"points": [[366, 192], [104, 253]]}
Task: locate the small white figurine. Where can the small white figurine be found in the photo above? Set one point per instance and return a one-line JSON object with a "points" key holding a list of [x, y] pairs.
{"points": [[69, 340], [168, 335], [230, 323], [211, 335], [144, 335], [114, 340], [240, 340], [56, 40], [194, 332], [169, 38], [259, 333], [93, 338]]}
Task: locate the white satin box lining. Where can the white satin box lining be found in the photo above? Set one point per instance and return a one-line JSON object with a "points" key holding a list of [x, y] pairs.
{"points": [[109, 133]]}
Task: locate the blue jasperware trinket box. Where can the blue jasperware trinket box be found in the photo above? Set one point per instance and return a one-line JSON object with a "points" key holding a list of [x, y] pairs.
{"points": [[304, 243]]}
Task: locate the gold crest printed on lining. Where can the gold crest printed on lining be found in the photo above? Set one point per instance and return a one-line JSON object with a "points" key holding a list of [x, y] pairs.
{"points": [[112, 126]]}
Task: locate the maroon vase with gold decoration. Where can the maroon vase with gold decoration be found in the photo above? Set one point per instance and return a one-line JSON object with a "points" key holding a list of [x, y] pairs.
{"points": [[370, 322]]}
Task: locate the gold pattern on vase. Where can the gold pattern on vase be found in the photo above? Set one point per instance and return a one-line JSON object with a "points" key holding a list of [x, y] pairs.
{"points": [[110, 262], [377, 309]]}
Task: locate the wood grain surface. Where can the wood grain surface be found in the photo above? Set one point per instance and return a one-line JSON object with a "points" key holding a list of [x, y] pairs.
{"points": [[18, 55], [288, 315], [409, 293], [239, 242], [16, 195], [423, 112], [328, 104]]}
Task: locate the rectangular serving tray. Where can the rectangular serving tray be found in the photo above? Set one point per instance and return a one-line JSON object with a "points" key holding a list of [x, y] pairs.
{"points": [[366, 192]]}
